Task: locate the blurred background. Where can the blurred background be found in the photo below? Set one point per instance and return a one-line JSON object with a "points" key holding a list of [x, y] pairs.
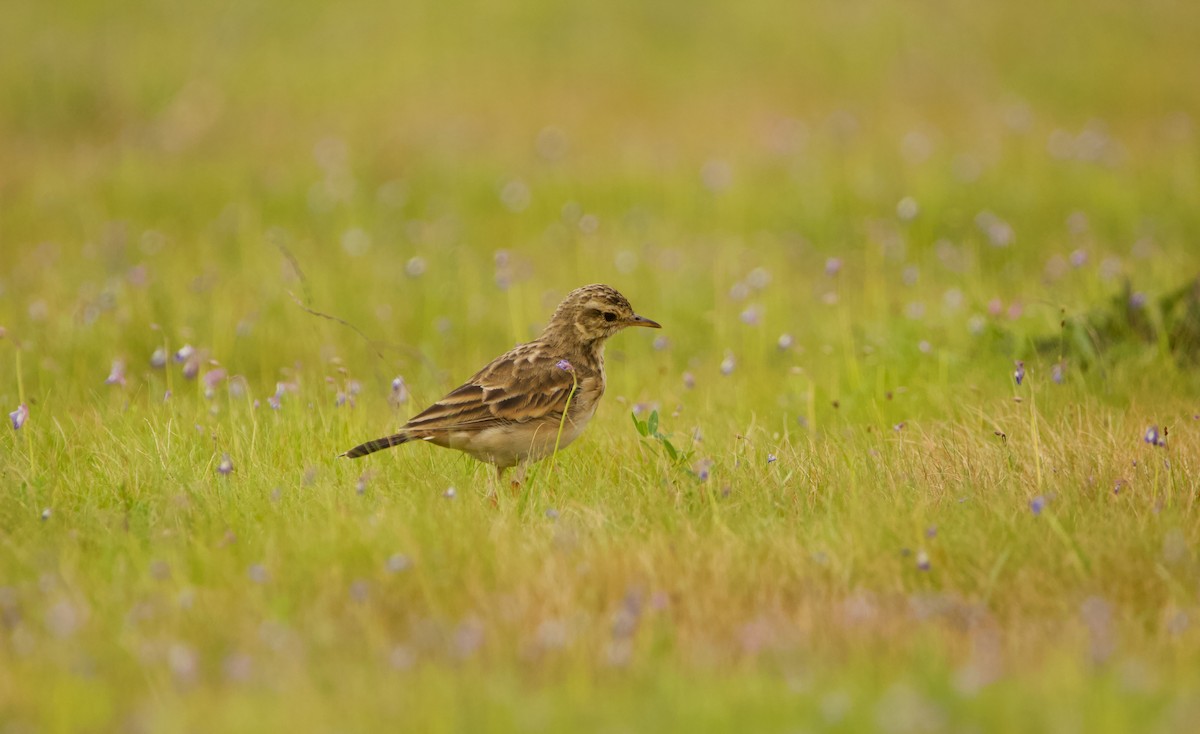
{"points": [[443, 169]]}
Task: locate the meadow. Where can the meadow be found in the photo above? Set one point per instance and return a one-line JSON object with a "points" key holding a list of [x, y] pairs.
{"points": [[928, 367]]}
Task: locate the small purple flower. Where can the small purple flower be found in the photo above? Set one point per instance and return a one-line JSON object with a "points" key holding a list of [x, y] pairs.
{"points": [[689, 380], [19, 416], [661, 343], [998, 231], [1137, 300], [399, 394], [833, 266], [274, 402], [212, 378], [226, 465], [751, 315], [415, 267], [185, 353], [785, 341], [116, 375], [138, 275], [728, 364], [1019, 372], [191, 368], [923, 563], [1056, 373], [772, 458], [564, 365], [931, 531], [1154, 438], [398, 562], [1037, 504], [158, 360]]}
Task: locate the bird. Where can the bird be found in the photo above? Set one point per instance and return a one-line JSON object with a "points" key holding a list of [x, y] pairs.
{"points": [[511, 412]]}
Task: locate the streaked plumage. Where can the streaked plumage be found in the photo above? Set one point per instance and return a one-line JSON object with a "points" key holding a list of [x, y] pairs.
{"points": [[510, 411]]}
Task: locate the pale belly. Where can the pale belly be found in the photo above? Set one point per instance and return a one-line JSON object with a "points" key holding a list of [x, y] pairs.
{"points": [[509, 445]]}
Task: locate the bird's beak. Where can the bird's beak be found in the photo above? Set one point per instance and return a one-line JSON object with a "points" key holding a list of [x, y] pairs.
{"points": [[636, 320]]}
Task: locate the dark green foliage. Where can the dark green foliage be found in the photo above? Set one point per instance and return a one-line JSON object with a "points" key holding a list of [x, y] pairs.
{"points": [[1129, 323], [649, 429]]}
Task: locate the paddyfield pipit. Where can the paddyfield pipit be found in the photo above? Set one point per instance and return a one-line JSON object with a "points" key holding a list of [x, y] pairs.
{"points": [[512, 411]]}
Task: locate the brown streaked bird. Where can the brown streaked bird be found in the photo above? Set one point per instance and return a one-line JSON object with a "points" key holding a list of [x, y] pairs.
{"points": [[509, 413]]}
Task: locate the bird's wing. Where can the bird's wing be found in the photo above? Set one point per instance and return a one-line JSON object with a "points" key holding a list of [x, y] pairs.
{"points": [[523, 385]]}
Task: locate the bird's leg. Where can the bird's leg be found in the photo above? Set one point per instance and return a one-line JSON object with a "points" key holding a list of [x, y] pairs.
{"points": [[493, 493], [518, 478]]}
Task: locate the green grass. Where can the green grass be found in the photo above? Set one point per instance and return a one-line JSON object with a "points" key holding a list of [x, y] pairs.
{"points": [[189, 173]]}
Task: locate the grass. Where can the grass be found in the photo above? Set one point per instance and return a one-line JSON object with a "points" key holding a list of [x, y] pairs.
{"points": [[892, 534]]}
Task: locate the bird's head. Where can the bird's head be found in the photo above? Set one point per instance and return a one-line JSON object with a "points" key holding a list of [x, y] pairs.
{"points": [[593, 313]]}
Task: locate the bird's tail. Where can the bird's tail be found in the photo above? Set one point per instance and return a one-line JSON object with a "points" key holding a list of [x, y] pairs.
{"points": [[378, 444]]}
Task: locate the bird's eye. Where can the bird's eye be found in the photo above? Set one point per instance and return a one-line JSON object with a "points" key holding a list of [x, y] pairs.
{"points": [[609, 316]]}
